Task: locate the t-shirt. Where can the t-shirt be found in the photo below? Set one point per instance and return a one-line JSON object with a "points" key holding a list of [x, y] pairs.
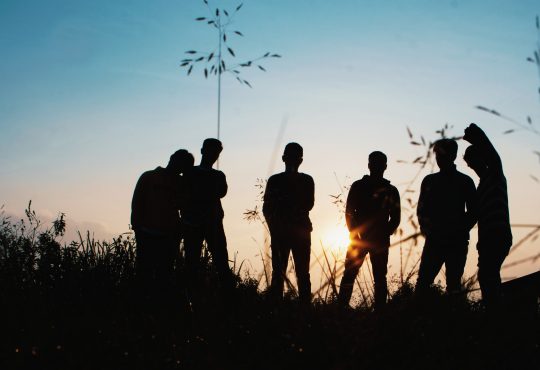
{"points": [[206, 186], [373, 209], [288, 198], [156, 200], [447, 205], [493, 213]]}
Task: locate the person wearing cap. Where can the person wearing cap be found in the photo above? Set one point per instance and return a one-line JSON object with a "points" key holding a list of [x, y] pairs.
{"points": [[202, 218], [288, 198], [494, 231], [158, 196], [446, 213], [373, 213]]}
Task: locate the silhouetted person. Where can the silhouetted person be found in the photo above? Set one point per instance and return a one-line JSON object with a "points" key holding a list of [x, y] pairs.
{"points": [[203, 217], [288, 198], [158, 196], [446, 213], [373, 213], [494, 232]]}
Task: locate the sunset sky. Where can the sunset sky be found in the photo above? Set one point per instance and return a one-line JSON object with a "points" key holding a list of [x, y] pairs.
{"points": [[92, 95]]}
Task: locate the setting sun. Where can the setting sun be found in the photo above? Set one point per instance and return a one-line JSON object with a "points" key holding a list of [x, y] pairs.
{"points": [[336, 238]]}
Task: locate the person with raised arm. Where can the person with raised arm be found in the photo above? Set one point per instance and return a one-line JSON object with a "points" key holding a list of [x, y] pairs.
{"points": [[494, 231]]}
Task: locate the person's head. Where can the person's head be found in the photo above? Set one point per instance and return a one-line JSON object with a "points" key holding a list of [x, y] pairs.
{"points": [[445, 152], [181, 161], [474, 159], [211, 150], [293, 155], [377, 163]]}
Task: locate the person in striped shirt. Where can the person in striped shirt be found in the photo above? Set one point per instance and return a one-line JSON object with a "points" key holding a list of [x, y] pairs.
{"points": [[494, 232]]}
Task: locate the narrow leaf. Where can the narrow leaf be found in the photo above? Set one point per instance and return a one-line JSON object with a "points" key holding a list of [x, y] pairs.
{"points": [[210, 56], [276, 56], [205, 73], [205, 1], [223, 65], [415, 143], [189, 70], [409, 132], [529, 59], [225, 11], [184, 64], [231, 51], [247, 83], [211, 22], [508, 132], [262, 68], [199, 59], [239, 6], [224, 38], [266, 55], [239, 33], [217, 12], [529, 120], [200, 19], [191, 52]]}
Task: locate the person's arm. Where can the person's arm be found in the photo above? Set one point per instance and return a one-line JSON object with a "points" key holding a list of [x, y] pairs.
{"points": [[269, 201], [137, 202], [309, 196], [221, 185], [395, 212], [422, 209], [350, 208], [476, 136], [471, 203]]}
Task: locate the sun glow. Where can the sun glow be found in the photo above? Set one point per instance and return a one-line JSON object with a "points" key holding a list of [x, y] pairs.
{"points": [[336, 238]]}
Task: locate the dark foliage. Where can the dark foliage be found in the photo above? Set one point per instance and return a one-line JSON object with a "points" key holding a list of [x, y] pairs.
{"points": [[79, 306]]}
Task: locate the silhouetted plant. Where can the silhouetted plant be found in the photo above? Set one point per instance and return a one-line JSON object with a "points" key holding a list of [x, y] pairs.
{"points": [[214, 62]]}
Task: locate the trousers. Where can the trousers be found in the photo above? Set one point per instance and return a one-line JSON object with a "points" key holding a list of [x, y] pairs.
{"points": [[451, 253], [356, 254], [297, 241]]}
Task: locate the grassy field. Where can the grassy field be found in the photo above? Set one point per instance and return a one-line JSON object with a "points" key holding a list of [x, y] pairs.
{"points": [[79, 306]]}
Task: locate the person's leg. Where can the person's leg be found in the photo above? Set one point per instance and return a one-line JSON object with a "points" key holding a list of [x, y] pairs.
{"points": [[280, 246], [379, 262], [217, 245], [166, 253], [490, 260], [430, 264], [353, 261], [193, 241], [456, 257], [301, 251]]}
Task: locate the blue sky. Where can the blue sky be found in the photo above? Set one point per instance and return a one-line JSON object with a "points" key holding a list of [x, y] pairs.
{"points": [[92, 95]]}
